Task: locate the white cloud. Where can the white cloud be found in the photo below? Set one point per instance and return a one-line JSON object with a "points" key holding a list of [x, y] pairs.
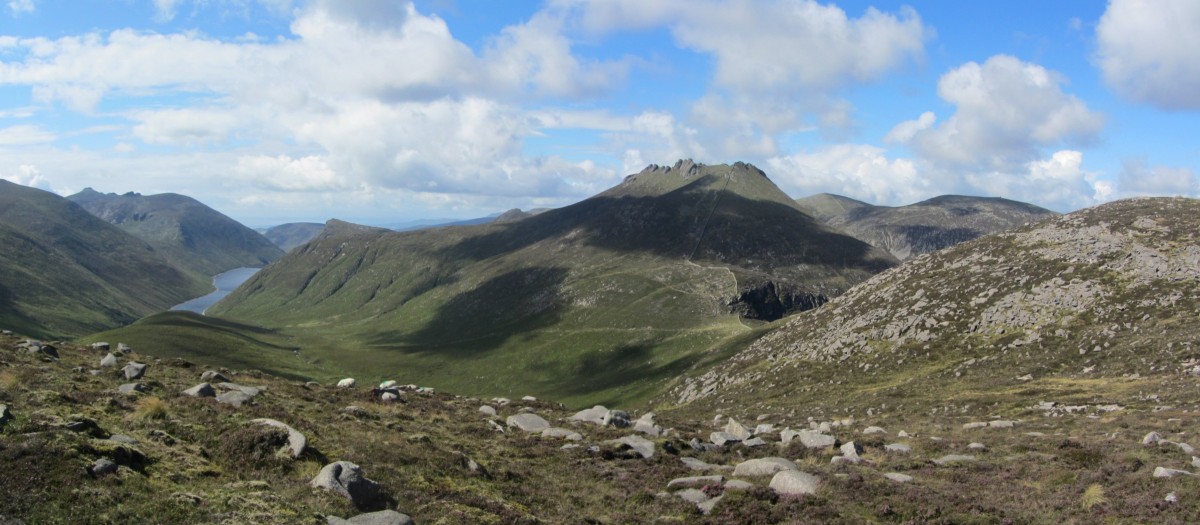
{"points": [[1137, 178], [537, 55], [22, 6], [855, 170], [185, 126], [284, 173], [165, 9], [1147, 51], [1006, 110], [26, 175], [1059, 182], [24, 135]]}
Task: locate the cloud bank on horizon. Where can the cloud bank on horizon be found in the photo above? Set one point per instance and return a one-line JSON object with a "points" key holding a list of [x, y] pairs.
{"points": [[379, 111]]}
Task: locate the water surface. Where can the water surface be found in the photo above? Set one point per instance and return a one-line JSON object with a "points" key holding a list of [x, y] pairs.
{"points": [[225, 283]]}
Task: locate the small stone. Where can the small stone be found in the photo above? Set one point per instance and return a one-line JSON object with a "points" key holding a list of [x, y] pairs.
{"points": [[487, 410], [641, 445], [134, 370], [736, 430], [902, 434], [1163, 472], [953, 458], [721, 439], [528, 399], [213, 376], [109, 361], [562, 433], [694, 482], [124, 348], [346, 383], [898, 477], [794, 483], [1151, 439], [765, 428], [899, 448], [103, 466], [977, 446], [388, 384], [235, 398], [754, 442], [527, 422], [971, 426], [389, 397], [850, 452], [1171, 498], [708, 506], [874, 430], [122, 438], [130, 388], [1000, 423], [816, 439], [347, 479]]}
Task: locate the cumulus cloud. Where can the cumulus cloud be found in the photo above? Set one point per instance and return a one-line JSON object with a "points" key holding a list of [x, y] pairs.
{"points": [[1058, 182], [1146, 51], [22, 6], [287, 174], [537, 55], [185, 126], [26, 175], [855, 170], [1006, 111], [1138, 179]]}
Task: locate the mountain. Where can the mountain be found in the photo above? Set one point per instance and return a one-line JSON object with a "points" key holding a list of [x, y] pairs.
{"points": [[927, 226], [187, 233], [293, 234], [1094, 307], [64, 272], [602, 300]]}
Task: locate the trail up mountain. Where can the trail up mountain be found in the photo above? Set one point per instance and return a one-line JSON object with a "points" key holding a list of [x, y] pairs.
{"points": [[930, 225], [64, 272]]}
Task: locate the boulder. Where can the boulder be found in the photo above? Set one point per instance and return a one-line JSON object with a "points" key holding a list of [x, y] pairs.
{"points": [[487, 410], [201, 390], [213, 376], [816, 439], [529, 399], [109, 361], [754, 442], [953, 458], [235, 398], [388, 384], [899, 448], [347, 480], [696, 496], [737, 484], [122, 438], [699, 465], [788, 435], [1151, 439], [721, 439], [694, 482], [616, 418], [977, 446], [765, 428], [248, 390], [898, 477], [103, 466], [874, 430], [592, 415], [527, 422], [383, 517], [296, 441], [641, 445], [762, 467], [569, 435], [130, 388], [739, 432], [647, 425], [346, 383], [134, 370], [1163, 472], [794, 483]]}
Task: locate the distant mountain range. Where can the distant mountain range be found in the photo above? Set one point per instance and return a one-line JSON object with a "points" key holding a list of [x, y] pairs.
{"points": [[924, 227], [187, 233], [65, 272]]}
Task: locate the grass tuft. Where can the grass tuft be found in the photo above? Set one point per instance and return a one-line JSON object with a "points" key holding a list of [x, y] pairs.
{"points": [[1092, 496], [151, 409]]}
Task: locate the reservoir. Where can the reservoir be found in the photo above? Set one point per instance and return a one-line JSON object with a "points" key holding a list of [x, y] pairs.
{"points": [[225, 283]]}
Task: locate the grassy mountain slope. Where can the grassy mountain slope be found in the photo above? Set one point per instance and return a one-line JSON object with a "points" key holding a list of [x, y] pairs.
{"points": [[1095, 307], [927, 226], [600, 301], [187, 233], [64, 272], [293, 234]]}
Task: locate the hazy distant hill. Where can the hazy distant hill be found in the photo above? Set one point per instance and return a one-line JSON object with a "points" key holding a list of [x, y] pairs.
{"points": [[604, 299], [293, 234], [908, 231], [65, 272], [191, 235]]}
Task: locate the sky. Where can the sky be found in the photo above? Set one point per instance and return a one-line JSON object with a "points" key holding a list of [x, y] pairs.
{"points": [[385, 111]]}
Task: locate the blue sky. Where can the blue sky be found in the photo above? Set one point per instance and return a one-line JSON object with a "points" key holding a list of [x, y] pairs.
{"points": [[382, 111]]}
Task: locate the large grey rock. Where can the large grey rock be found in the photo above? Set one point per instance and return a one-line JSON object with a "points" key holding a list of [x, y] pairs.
{"points": [[849, 454], [737, 430], [109, 361], [696, 496], [737, 484], [899, 448], [762, 467], [647, 425], [953, 458], [346, 383], [722, 438], [592, 415], [616, 418], [754, 442], [816, 439], [694, 481], [487, 410], [134, 370], [699, 465], [296, 441], [102, 467], [213, 376], [1151, 439], [1162, 472], [898, 477], [201, 390], [383, 517], [248, 390], [527, 422], [794, 483], [788, 435], [346, 479], [235, 398], [639, 444], [874, 430]]}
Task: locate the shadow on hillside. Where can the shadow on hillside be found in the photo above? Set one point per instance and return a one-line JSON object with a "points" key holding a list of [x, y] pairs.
{"points": [[485, 317], [11, 318], [625, 365], [738, 230], [193, 321]]}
